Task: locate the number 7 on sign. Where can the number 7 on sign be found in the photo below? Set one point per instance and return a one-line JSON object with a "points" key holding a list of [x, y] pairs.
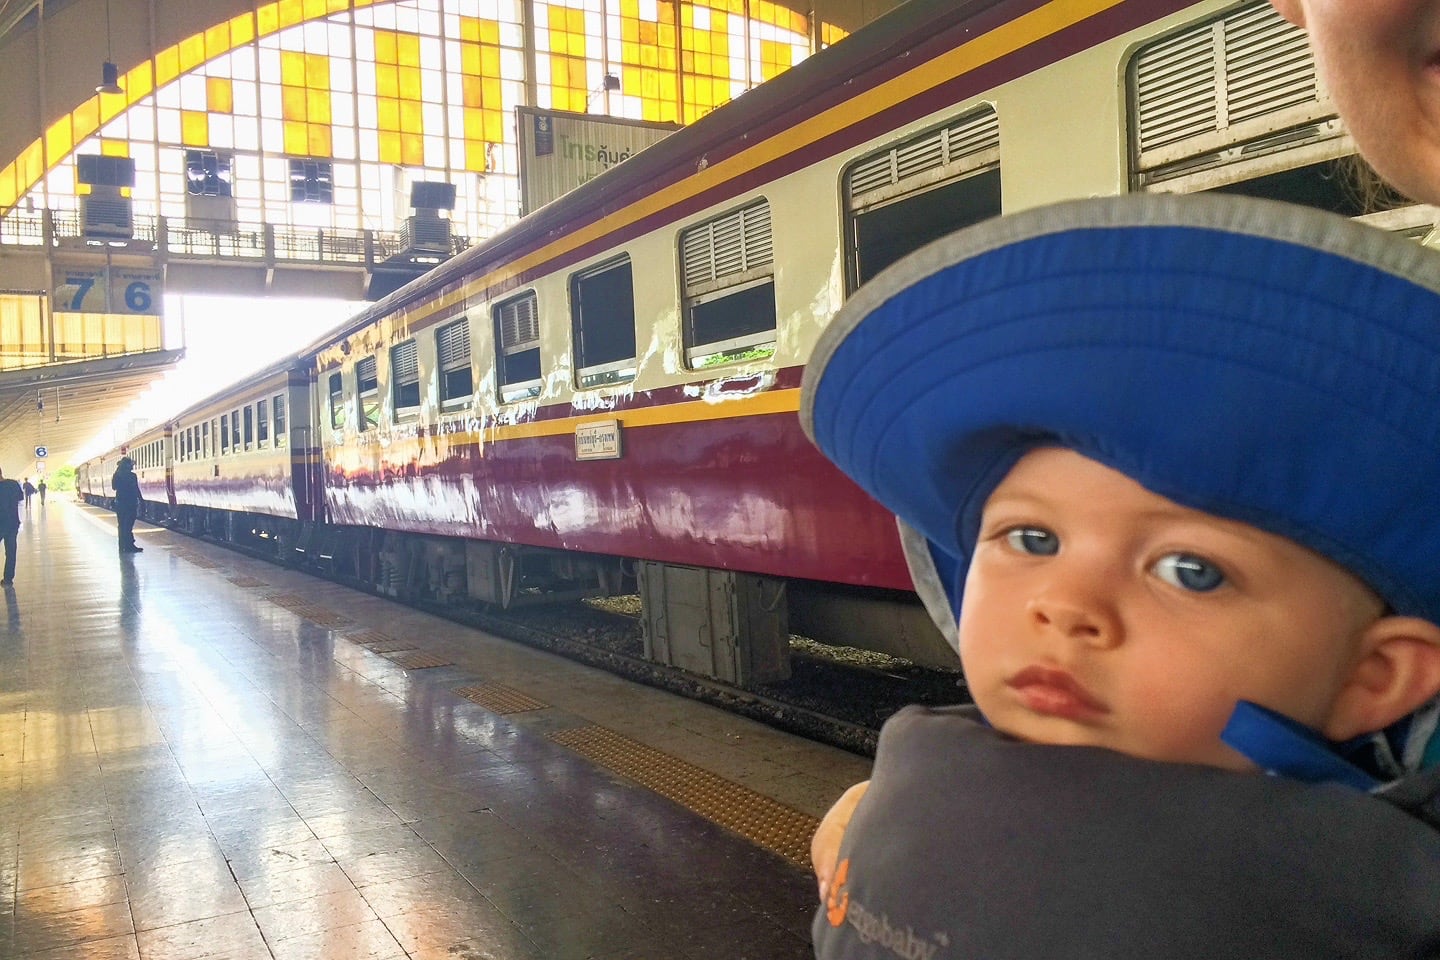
{"points": [[82, 286]]}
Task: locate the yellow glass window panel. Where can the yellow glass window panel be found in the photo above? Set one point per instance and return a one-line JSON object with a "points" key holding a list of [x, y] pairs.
{"points": [[219, 95], [630, 83], [470, 59], [469, 30], [412, 149], [315, 9], [194, 128], [630, 8], [474, 125], [293, 103], [471, 91], [408, 47], [9, 193], [112, 105], [58, 140], [320, 145], [387, 80], [649, 33], [297, 138], [386, 49], [390, 148], [576, 70], [217, 40], [317, 106], [337, 6], [291, 13], [242, 29], [490, 86], [490, 61], [576, 44], [192, 52], [669, 87], [167, 66], [474, 156], [114, 148], [649, 57], [389, 113], [267, 19], [494, 126], [292, 68], [410, 117], [490, 32], [138, 82], [86, 118], [317, 71], [410, 85]]}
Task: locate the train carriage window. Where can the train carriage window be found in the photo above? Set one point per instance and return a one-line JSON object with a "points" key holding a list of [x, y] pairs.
{"points": [[517, 331], [728, 269], [281, 438], [405, 379], [367, 394], [205, 439], [602, 321], [457, 380], [235, 431], [902, 197], [222, 430], [337, 402], [249, 428], [262, 423]]}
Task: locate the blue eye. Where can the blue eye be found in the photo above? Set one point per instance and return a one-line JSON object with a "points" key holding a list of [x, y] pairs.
{"points": [[1033, 540], [1189, 572]]}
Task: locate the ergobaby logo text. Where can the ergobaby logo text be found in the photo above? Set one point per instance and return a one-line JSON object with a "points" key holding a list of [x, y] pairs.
{"points": [[876, 928]]}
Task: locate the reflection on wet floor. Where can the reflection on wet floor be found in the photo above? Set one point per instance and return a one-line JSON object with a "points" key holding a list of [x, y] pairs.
{"points": [[188, 769]]}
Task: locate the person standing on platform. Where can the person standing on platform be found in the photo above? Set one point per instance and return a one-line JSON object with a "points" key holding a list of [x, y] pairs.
{"points": [[29, 489], [127, 503], [41, 487], [10, 496]]}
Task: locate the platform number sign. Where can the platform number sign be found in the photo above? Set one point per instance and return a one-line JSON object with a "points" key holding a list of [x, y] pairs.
{"points": [[113, 290], [41, 453]]}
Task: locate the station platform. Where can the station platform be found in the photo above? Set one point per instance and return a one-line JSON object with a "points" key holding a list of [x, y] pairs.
{"points": [[205, 755]]}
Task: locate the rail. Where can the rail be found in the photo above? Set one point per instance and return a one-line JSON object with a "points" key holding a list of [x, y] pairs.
{"points": [[214, 240]]}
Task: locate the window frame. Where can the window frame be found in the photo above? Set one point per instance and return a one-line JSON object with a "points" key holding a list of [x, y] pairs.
{"points": [[443, 371], [606, 372], [755, 250], [517, 391], [405, 411], [367, 419]]}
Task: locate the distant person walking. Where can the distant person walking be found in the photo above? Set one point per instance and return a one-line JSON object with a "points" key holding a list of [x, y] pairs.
{"points": [[29, 489], [10, 496], [127, 503], [41, 487]]}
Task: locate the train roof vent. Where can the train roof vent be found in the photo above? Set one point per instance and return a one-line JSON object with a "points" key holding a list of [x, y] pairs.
{"points": [[1200, 95], [961, 147]]}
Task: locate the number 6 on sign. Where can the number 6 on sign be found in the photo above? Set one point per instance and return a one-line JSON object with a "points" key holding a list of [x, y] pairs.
{"points": [[137, 296]]}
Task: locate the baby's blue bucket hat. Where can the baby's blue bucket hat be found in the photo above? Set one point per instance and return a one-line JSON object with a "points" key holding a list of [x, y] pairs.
{"points": [[1260, 361]]}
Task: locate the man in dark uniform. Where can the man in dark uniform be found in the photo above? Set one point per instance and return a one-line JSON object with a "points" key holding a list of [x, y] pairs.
{"points": [[127, 503], [10, 496]]}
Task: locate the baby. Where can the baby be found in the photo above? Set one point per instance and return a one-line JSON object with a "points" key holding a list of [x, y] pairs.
{"points": [[1172, 463]]}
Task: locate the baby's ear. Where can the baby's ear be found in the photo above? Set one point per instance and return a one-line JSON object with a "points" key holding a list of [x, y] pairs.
{"points": [[1292, 10], [1397, 673]]}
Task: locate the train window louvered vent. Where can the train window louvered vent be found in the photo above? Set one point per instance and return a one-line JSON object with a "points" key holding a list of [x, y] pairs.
{"points": [[405, 362], [961, 147], [365, 374], [519, 325], [453, 343], [1242, 78], [727, 250]]}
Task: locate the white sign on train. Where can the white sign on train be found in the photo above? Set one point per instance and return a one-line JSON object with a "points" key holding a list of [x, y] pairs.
{"points": [[597, 440]]}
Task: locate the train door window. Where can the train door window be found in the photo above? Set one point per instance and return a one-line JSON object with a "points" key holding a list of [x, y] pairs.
{"points": [[337, 402], [602, 322], [262, 423], [405, 379], [278, 407], [457, 380], [902, 197], [367, 394], [249, 428], [517, 331], [727, 266]]}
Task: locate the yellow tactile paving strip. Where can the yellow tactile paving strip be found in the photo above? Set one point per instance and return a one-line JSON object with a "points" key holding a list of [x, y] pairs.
{"points": [[367, 638], [315, 613], [205, 563], [500, 699], [418, 660], [242, 580], [763, 821]]}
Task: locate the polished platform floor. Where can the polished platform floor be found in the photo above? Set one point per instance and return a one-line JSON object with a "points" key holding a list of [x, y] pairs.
{"points": [[203, 755]]}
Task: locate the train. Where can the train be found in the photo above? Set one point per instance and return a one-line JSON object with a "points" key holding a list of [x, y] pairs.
{"points": [[602, 398]]}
